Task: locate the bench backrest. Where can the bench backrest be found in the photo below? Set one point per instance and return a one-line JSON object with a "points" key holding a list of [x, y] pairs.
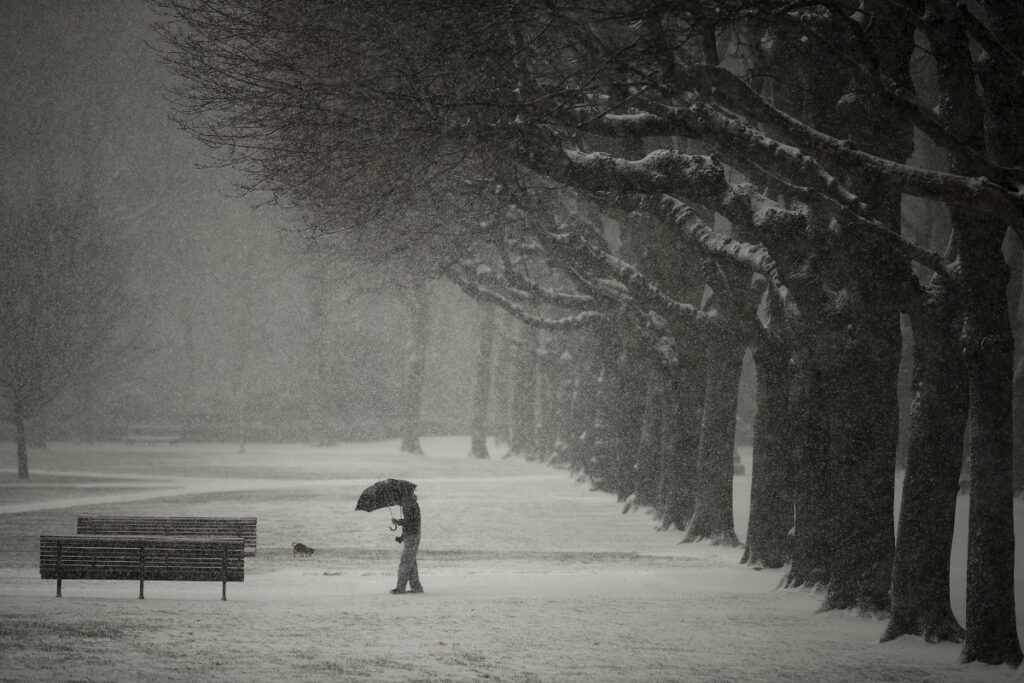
{"points": [[153, 558], [242, 527]]}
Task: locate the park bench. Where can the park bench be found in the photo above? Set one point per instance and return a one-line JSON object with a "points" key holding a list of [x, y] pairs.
{"points": [[171, 439], [142, 558], [239, 527]]}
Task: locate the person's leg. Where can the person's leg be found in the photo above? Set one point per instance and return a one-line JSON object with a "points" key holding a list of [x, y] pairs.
{"points": [[414, 578], [414, 575], [407, 565]]}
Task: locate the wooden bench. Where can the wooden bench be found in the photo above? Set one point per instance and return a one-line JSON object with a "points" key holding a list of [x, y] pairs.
{"points": [[239, 527], [142, 558], [171, 439]]}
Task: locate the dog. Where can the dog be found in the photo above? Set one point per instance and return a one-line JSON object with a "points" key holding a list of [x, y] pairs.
{"points": [[302, 549]]}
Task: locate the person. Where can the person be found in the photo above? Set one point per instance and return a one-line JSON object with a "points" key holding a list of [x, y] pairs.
{"points": [[408, 572]]}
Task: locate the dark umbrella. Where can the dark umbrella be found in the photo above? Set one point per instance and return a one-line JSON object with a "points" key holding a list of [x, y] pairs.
{"points": [[384, 493]]}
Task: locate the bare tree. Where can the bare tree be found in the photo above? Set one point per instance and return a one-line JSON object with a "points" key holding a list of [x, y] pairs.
{"points": [[64, 303]]}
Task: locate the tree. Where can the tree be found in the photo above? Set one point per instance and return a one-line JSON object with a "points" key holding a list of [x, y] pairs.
{"points": [[636, 111], [64, 302], [482, 391]]}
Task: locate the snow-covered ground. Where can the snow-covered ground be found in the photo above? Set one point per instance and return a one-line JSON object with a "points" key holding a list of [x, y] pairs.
{"points": [[529, 575]]}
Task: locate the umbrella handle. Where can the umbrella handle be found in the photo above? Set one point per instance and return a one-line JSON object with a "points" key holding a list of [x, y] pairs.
{"points": [[393, 527]]}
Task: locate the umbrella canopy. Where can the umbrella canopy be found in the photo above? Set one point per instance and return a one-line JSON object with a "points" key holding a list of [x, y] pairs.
{"points": [[384, 493]]}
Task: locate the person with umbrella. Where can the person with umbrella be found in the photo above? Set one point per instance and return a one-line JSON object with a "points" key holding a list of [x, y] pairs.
{"points": [[399, 492]]}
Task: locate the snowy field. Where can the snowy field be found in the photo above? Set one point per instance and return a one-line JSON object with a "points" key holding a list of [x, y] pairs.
{"points": [[529, 576]]}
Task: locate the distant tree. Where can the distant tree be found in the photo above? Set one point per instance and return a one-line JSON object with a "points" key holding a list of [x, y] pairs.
{"points": [[64, 302], [482, 386], [417, 302]]}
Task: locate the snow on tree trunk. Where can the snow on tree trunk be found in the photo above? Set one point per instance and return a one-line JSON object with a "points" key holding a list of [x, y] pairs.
{"points": [[419, 333], [920, 577], [771, 495], [482, 390]]}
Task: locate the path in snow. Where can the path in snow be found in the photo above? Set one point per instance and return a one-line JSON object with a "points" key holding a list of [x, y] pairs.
{"points": [[163, 487]]}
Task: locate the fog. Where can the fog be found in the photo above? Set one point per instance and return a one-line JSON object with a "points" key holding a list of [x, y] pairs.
{"points": [[222, 319]]}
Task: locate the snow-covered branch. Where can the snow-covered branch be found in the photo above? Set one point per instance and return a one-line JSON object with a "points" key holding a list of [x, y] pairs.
{"points": [[476, 290], [639, 286], [978, 192]]}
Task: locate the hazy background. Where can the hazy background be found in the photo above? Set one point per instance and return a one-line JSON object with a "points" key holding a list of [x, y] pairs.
{"points": [[233, 306]]}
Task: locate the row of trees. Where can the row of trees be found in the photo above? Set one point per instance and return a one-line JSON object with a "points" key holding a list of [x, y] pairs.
{"points": [[685, 180]]}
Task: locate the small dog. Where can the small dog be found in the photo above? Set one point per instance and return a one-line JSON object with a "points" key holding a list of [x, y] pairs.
{"points": [[302, 549]]}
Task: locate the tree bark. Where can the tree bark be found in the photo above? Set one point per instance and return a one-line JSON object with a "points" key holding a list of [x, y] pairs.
{"points": [[988, 348], [986, 337], [866, 355], [813, 535], [920, 576], [713, 514], [419, 336], [771, 495]]}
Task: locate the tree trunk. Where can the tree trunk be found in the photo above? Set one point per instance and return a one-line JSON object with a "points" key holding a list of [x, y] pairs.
{"points": [[504, 363], [682, 409], [862, 443], [419, 336], [524, 394], [813, 536], [547, 414], [482, 391], [771, 495], [988, 347], [189, 397], [318, 392], [1015, 260], [866, 355], [713, 513], [22, 443], [920, 576], [648, 450], [987, 338], [243, 343]]}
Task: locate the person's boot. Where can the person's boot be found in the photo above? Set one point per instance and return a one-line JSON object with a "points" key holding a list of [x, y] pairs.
{"points": [[397, 591]]}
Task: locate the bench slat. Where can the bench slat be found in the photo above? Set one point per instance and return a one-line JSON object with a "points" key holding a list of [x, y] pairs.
{"points": [[243, 527]]}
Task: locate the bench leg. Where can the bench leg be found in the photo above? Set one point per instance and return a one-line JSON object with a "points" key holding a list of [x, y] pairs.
{"points": [[58, 588], [223, 590], [141, 594]]}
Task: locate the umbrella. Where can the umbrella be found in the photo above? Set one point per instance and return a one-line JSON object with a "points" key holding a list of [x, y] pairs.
{"points": [[384, 493]]}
